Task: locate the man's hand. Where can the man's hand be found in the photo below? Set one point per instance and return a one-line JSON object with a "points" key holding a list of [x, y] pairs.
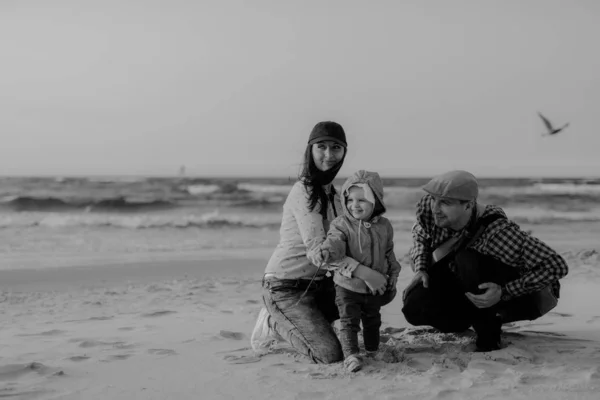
{"points": [[488, 298], [392, 281], [420, 277], [318, 257]]}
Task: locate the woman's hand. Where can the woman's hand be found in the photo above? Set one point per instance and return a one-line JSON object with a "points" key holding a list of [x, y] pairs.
{"points": [[375, 281], [318, 257]]}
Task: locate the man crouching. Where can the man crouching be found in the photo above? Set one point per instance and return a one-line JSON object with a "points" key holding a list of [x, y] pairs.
{"points": [[475, 267]]}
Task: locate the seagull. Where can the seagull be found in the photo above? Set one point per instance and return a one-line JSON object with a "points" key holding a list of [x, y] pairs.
{"points": [[551, 129]]}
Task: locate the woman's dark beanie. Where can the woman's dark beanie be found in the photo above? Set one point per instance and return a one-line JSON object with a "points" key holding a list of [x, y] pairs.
{"points": [[328, 130]]}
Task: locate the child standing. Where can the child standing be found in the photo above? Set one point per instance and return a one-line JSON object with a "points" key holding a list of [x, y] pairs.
{"points": [[365, 235]]}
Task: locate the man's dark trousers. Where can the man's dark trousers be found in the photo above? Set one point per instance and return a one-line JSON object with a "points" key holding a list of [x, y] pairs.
{"points": [[444, 305]]}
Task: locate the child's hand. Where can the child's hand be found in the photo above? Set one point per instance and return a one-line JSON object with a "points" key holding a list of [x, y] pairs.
{"points": [[392, 281]]}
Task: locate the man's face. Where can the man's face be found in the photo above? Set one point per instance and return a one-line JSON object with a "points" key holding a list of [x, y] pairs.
{"points": [[450, 213]]}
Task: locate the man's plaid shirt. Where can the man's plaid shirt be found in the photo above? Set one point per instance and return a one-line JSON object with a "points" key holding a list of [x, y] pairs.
{"points": [[539, 265]]}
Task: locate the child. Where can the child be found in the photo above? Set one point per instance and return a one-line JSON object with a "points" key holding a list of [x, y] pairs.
{"points": [[363, 234]]}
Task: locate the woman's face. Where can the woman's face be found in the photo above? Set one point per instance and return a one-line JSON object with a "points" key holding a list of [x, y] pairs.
{"points": [[327, 154]]}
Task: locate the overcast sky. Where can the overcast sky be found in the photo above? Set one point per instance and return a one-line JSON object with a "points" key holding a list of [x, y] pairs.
{"points": [[231, 87]]}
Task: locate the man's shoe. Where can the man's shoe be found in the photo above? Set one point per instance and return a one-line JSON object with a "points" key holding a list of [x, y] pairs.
{"points": [[263, 335], [489, 332], [485, 344]]}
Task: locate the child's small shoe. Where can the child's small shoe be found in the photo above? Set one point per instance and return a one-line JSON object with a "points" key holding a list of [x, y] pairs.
{"points": [[353, 363], [371, 354]]}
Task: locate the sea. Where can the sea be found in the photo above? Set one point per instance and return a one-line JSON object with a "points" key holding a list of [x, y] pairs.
{"points": [[149, 214]]}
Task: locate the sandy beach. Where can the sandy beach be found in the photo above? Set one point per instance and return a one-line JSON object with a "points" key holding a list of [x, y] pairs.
{"points": [[149, 148], [177, 326]]}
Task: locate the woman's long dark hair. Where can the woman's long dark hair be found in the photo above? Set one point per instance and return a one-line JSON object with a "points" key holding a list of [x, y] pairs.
{"points": [[314, 179]]}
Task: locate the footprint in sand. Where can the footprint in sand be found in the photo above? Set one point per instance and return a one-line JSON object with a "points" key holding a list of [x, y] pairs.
{"points": [[509, 356], [446, 394], [388, 333], [311, 395], [571, 350], [78, 358], [545, 333], [13, 371], [162, 352], [595, 318], [93, 303], [204, 285], [158, 288], [595, 373], [557, 314], [117, 357], [510, 326], [534, 379], [53, 332], [31, 394], [126, 328], [228, 281], [206, 304], [231, 359], [160, 313], [123, 345], [234, 350], [89, 343], [232, 335], [420, 331], [538, 324], [390, 330], [86, 344]]}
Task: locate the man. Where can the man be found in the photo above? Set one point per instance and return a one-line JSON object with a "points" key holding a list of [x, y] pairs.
{"points": [[475, 267]]}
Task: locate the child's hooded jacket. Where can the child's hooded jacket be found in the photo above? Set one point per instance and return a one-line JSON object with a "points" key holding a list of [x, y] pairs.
{"points": [[370, 243]]}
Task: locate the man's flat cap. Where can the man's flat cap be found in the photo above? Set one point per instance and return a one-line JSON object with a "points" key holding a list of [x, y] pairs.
{"points": [[459, 185]]}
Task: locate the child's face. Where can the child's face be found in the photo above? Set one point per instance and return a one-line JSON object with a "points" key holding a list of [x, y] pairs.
{"points": [[358, 205]]}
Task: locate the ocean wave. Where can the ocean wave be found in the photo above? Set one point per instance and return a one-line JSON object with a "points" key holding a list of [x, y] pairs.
{"points": [[250, 217], [133, 194], [568, 188], [540, 215], [196, 190], [241, 190], [214, 219], [546, 189], [27, 203], [265, 188]]}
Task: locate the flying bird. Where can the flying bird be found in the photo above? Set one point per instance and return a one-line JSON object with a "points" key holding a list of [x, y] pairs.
{"points": [[551, 130]]}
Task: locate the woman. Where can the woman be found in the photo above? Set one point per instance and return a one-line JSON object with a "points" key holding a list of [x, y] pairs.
{"points": [[299, 297]]}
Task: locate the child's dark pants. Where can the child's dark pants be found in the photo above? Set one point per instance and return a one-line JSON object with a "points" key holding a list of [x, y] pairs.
{"points": [[355, 308]]}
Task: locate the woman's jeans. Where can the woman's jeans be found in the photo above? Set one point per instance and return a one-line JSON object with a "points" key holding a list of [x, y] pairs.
{"points": [[304, 320], [355, 308]]}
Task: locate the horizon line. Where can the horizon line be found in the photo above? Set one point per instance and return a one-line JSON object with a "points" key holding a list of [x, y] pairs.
{"points": [[193, 176]]}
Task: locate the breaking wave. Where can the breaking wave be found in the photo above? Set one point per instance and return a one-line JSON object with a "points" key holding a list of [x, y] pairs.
{"points": [[28, 203], [144, 221]]}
